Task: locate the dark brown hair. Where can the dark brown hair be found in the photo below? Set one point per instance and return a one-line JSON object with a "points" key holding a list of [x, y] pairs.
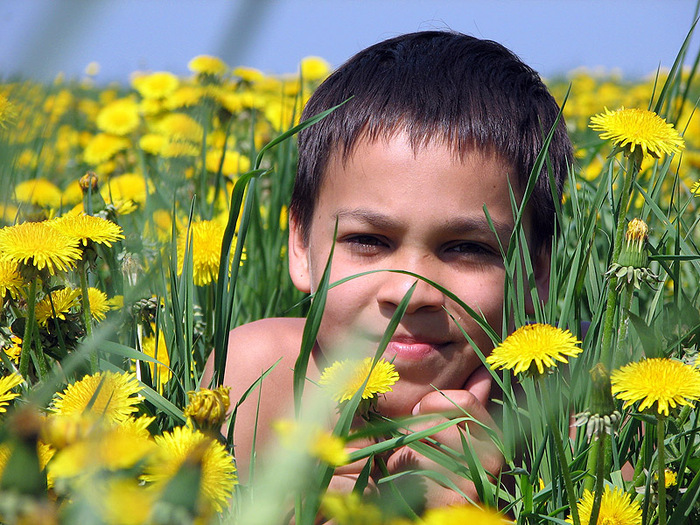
{"points": [[436, 85]]}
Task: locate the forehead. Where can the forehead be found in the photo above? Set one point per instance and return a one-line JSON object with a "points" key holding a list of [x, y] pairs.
{"points": [[394, 175]]}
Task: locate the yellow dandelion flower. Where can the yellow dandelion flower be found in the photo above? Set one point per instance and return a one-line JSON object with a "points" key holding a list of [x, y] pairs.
{"points": [[59, 431], [185, 444], [100, 445], [125, 188], [92, 69], [249, 74], [120, 117], [208, 407], [7, 111], [86, 228], [117, 302], [5, 453], [670, 478], [695, 189], [231, 101], [72, 194], [345, 378], [11, 281], [8, 213], [329, 448], [56, 305], [180, 126], [160, 84], [140, 502], [28, 159], [115, 396], [175, 149], [184, 97], [206, 238], [40, 192], [7, 383], [534, 347], [314, 68], [162, 225], [312, 440], [151, 106], [38, 245], [207, 65], [90, 108], [157, 350], [658, 382], [13, 349], [234, 162], [616, 507], [103, 147], [350, 509], [99, 304], [464, 514], [152, 143], [638, 128]]}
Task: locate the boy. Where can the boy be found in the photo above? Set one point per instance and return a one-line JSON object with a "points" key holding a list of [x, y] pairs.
{"points": [[436, 127]]}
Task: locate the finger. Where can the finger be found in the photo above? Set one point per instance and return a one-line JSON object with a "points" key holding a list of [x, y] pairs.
{"points": [[479, 384], [455, 403]]}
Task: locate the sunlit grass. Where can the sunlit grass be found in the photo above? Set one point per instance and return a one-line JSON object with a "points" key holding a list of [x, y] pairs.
{"points": [[183, 166]]}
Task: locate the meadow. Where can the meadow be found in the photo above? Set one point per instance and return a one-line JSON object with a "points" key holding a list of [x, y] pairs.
{"points": [[141, 222]]}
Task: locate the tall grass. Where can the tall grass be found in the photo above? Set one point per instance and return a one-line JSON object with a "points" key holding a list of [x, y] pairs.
{"points": [[548, 465]]}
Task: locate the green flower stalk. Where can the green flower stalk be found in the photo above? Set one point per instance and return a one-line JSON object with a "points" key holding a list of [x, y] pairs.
{"points": [[600, 422], [636, 133], [534, 350]]}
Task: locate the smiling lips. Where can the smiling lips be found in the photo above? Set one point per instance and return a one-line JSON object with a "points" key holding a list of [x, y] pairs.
{"points": [[412, 349]]}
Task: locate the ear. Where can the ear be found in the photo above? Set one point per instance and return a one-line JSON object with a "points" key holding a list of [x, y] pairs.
{"points": [[298, 257], [541, 267]]}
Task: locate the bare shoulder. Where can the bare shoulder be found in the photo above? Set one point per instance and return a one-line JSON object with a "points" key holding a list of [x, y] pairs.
{"points": [[255, 347], [279, 335]]}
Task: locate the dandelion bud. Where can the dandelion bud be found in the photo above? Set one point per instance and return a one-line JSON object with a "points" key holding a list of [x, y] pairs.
{"points": [[601, 394], [207, 408], [88, 182], [634, 252], [602, 418]]}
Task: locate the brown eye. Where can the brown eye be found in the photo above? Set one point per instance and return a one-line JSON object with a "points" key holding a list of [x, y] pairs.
{"points": [[470, 248], [364, 244]]}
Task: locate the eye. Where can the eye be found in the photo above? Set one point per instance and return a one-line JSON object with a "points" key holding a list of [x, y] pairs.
{"points": [[364, 243], [469, 248]]}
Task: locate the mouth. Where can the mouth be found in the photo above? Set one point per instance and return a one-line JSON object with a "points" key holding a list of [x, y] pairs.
{"points": [[412, 349]]}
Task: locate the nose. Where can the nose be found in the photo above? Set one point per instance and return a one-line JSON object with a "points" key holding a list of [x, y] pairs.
{"points": [[395, 285]]}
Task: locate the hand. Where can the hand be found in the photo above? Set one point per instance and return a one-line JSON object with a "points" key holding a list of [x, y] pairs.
{"points": [[472, 399]]}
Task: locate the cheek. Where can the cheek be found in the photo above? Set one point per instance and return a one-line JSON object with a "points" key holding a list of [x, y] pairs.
{"points": [[485, 297]]}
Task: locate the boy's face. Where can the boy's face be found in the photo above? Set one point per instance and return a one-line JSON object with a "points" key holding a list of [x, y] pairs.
{"points": [[417, 211]]}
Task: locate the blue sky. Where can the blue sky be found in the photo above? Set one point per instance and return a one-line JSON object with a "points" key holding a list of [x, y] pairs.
{"points": [[40, 38]]}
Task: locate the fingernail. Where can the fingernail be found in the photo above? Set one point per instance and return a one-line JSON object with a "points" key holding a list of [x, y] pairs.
{"points": [[416, 409]]}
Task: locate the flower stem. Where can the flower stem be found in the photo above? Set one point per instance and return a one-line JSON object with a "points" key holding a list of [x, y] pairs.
{"points": [[611, 306], [606, 354], [87, 314], [660, 437], [563, 464], [28, 329], [600, 477]]}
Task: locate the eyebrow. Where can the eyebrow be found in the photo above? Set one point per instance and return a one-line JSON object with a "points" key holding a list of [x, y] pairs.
{"points": [[454, 225]]}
